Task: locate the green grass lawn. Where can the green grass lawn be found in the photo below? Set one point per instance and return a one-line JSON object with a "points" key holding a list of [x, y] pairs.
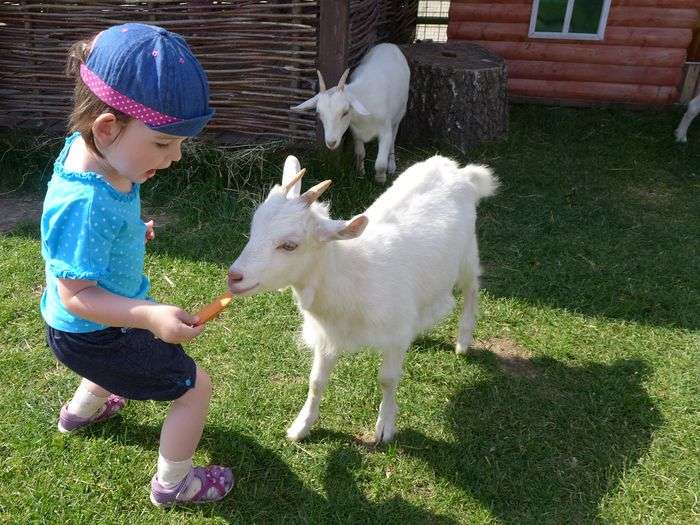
{"points": [[580, 405]]}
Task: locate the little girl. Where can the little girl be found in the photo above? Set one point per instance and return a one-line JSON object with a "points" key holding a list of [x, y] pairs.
{"points": [[139, 93]]}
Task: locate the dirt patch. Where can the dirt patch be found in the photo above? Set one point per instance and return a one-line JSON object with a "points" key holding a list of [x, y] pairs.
{"points": [[18, 210], [366, 440], [513, 359]]}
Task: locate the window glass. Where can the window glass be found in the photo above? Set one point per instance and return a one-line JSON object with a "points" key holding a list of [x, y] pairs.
{"points": [[586, 16], [550, 15]]}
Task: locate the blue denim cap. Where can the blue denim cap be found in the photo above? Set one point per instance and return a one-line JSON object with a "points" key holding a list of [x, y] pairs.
{"points": [[151, 75]]}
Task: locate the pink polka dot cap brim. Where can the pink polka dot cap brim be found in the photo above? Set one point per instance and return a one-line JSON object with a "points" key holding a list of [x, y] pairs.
{"points": [[113, 98]]}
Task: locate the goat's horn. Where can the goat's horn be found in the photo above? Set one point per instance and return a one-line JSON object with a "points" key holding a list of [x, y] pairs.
{"points": [[341, 82], [321, 82], [291, 183], [312, 194]]}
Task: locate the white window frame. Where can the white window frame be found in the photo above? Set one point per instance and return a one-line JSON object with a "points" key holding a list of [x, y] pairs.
{"points": [[565, 33]]}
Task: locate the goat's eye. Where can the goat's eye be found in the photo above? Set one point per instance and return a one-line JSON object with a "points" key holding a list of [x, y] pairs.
{"points": [[288, 246], [345, 114]]}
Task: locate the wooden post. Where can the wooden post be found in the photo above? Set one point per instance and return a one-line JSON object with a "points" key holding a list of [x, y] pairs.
{"points": [[333, 43]]}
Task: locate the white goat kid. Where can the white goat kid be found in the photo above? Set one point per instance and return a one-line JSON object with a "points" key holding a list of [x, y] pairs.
{"points": [[690, 114], [377, 280], [372, 104]]}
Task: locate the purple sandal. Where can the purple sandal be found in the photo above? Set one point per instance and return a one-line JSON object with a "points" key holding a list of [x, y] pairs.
{"points": [[213, 476], [68, 423]]}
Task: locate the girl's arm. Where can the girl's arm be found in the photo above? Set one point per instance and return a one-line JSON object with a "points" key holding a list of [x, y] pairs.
{"points": [[87, 300]]}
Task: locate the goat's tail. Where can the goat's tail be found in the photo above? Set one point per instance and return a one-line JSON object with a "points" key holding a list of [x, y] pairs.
{"points": [[482, 178]]}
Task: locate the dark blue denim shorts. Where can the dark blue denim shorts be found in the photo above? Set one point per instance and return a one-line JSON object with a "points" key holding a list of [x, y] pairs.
{"points": [[129, 362]]}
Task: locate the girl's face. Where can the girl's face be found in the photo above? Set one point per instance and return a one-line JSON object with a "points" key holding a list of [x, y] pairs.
{"points": [[134, 151]]}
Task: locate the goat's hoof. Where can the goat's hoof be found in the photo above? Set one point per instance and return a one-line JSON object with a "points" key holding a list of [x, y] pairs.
{"points": [[298, 431], [384, 432], [461, 349], [680, 136], [380, 177]]}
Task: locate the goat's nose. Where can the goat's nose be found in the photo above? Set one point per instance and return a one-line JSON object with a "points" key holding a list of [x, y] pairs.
{"points": [[234, 276], [332, 144]]}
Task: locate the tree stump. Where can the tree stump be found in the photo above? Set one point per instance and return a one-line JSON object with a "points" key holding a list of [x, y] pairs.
{"points": [[458, 94]]}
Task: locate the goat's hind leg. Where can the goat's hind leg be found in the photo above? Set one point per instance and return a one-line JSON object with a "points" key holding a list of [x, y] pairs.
{"points": [[389, 375], [318, 380], [469, 284], [383, 152], [391, 168], [690, 114]]}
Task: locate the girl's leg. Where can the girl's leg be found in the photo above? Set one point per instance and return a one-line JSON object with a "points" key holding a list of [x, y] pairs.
{"points": [[88, 399], [183, 426], [95, 388], [180, 436], [90, 404]]}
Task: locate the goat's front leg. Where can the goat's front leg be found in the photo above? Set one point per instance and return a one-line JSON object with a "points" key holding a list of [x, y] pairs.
{"points": [[384, 149], [359, 155], [389, 375], [318, 379]]}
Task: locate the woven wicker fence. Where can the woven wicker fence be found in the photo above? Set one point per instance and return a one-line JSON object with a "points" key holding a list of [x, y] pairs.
{"points": [[397, 21], [260, 56]]}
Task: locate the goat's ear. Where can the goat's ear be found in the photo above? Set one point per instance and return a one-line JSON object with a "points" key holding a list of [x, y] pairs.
{"points": [[309, 104], [291, 168], [355, 103], [344, 230]]}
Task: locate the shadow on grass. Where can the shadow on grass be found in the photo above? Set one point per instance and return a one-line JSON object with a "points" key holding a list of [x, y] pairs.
{"points": [[349, 505], [543, 450], [267, 491]]}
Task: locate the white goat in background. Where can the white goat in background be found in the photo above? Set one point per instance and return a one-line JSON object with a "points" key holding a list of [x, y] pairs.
{"points": [[377, 280], [372, 104], [690, 114]]}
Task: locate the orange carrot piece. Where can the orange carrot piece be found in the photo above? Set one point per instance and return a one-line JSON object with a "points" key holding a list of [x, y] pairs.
{"points": [[214, 308]]}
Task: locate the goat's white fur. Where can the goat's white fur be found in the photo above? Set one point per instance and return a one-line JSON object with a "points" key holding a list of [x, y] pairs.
{"points": [[690, 114], [377, 280], [372, 104]]}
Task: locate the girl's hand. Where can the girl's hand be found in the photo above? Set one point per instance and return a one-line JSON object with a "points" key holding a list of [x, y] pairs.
{"points": [[150, 232], [172, 324]]}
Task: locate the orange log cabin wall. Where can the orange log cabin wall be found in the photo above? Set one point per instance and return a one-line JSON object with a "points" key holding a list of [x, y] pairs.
{"points": [[639, 61]]}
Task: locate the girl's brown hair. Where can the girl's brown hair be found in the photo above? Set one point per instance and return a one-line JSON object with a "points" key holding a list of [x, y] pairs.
{"points": [[86, 106]]}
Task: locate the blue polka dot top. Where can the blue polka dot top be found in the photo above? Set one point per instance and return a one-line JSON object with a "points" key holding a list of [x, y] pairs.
{"points": [[89, 230]]}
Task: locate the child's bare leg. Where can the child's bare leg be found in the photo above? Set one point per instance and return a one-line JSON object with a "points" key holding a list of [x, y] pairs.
{"points": [[87, 399], [183, 426], [95, 388], [90, 404], [181, 433]]}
